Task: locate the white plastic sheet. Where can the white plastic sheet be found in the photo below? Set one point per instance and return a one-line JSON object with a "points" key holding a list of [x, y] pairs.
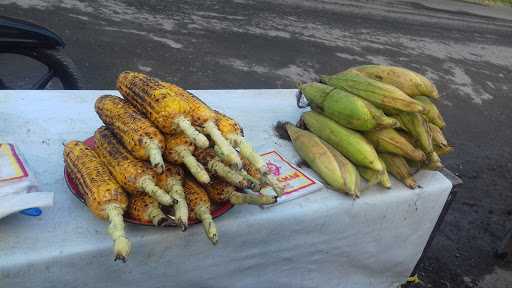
{"points": [[324, 239]]}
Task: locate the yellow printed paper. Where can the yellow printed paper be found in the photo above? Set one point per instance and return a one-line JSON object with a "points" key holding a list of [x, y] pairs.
{"points": [[11, 167]]}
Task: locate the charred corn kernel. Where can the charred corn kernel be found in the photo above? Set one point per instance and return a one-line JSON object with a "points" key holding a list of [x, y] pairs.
{"points": [[389, 140], [179, 149], [431, 112], [168, 106], [398, 167], [346, 108], [412, 83], [219, 191], [146, 209], [348, 142], [199, 207], [137, 134], [103, 195], [134, 175], [172, 182], [208, 158], [378, 93], [418, 127], [333, 167]]}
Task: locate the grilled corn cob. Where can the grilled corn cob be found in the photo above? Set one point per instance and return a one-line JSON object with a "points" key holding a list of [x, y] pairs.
{"points": [[199, 207], [172, 182], [208, 158], [234, 133], [158, 99], [103, 195], [134, 175], [179, 149], [219, 191], [137, 133], [168, 107], [146, 209]]}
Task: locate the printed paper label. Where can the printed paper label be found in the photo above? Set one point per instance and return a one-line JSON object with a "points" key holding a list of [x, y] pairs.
{"points": [[11, 166]]}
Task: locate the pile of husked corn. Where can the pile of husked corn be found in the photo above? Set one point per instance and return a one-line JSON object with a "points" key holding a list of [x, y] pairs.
{"points": [[152, 135]]}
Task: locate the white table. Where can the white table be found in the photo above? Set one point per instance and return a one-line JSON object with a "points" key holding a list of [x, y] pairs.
{"points": [[324, 239]]}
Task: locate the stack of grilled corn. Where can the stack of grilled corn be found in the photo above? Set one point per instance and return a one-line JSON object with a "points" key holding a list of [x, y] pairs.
{"points": [[367, 121], [152, 135]]}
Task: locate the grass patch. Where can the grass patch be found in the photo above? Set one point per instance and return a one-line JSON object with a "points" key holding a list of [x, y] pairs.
{"points": [[492, 2]]}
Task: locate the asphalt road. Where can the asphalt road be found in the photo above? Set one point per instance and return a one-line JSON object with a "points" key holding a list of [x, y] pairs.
{"points": [[464, 48]]}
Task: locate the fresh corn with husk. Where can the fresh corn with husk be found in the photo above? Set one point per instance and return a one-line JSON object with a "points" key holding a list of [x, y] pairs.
{"points": [[133, 175], [220, 191], [199, 207], [375, 177], [214, 164], [410, 82], [103, 195], [346, 108], [441, 146], [390, 141], [350, 143], [398, 167], [418, 127], [146, 209], [378, 93], [431, 112], [179, 149], [138, 135], [330, 164], [172, 182], [172, 108]]}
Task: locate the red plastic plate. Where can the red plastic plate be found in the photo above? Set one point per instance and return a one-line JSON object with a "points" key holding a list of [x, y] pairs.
{"points": [[217, 211]]}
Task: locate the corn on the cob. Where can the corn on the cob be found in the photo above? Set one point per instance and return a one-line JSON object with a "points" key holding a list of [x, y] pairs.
{"points": [[172, 182], [389, 140], [134, 175], [380, 94], [431, 112], [398, 167], [346, 108], [145, 208], [232, 131], [438, 139], [157, 99], [179, 149], [137, 133], [333, 167], [412, 83], [348, 142], [199, 207], [103, 195], [208, 158], [373, 177], [219, 191], [168, 107], [418, 126]]}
